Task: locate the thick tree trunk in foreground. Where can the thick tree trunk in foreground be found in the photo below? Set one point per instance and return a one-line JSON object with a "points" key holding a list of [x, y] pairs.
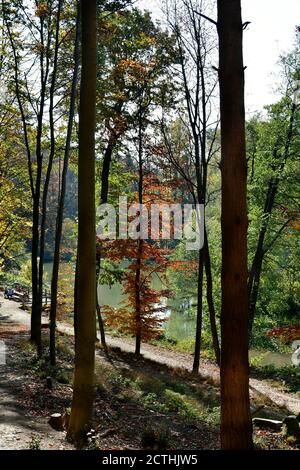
{"points": [[83, 393], [236, 428]]}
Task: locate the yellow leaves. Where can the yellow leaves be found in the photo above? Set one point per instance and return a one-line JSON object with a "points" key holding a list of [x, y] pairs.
{"points": [[146, 40]]}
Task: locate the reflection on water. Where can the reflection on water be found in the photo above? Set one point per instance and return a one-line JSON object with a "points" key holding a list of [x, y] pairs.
{"points": [[179, 324]]}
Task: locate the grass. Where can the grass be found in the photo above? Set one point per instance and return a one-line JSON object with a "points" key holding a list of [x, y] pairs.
{"points": [[289, 375], [139, 402], [161, 392], [62, 372]]}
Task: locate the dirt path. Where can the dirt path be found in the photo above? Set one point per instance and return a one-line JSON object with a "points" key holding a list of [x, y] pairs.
{"points": [[19, 430], [173, 359]]}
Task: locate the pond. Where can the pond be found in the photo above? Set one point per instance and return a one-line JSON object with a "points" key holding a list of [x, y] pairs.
{"points": [[178, 325]]}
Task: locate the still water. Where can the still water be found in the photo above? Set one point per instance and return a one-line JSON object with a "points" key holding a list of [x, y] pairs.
{"points": [[178, 325]]}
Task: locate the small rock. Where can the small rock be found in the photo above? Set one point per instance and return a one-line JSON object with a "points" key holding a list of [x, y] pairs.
{"points": [[108, 432], [56, 421], [291, 427], [49, 383], [264, 423]]}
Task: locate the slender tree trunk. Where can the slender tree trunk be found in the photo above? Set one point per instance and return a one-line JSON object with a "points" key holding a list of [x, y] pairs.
{"points": [[36, 321], [198, 336], [36, 309], [210, 301], [35, 331], [83, 392], [236, 426], [112, 142], [138, 319], [104, 196], [98, 308], [75, 308], [61, 200], [106, 169], [257, 263], [50, 165]]}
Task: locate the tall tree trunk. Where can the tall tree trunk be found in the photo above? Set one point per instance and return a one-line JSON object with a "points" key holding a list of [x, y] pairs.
{"points": [[210, 301], [198, 336], [236, 426], [75, 308], [112, 142], [61, 200], [50, 163], [257, 263], [36, 320], [98, 308], [104, 196], [138, 319], [36, 310], [83, 392]]}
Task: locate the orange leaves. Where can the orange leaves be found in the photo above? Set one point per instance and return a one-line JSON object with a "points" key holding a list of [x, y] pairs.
{"points": [[286, 333], [143, 310], [184, 266], [42, 9], [134, 71]]}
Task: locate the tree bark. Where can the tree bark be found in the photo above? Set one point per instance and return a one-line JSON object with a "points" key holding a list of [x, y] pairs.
{"points": [[49, 167], [83, 391], [112, 142], [198, 335], [98, 308], [210, 301], [61, 200], [257, 263], [104, 197], [236, 426], [36, 311], [138, 319]]}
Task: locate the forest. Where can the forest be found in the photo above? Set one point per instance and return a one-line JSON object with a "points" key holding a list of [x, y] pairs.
{"points": [[149, 231]]}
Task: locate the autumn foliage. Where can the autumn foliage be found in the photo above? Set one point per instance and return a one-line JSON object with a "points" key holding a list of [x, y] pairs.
{"points": [[286, 333], [141, 313]]}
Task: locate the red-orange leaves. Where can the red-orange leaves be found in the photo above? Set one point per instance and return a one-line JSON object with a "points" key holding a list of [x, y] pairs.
{"points": [[286, 333]]}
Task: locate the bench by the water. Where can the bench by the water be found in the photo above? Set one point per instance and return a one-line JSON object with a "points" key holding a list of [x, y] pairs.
{"points": [[25, 297]]}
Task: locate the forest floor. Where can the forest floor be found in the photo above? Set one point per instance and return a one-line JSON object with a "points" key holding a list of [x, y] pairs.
{"points": [[152, 401]]}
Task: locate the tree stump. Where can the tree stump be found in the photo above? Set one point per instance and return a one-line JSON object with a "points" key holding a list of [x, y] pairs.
{"points": [[291, 427], [56, 421]]}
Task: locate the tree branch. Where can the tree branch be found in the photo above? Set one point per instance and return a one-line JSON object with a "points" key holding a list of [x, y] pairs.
{"points": [[206, 17]]}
